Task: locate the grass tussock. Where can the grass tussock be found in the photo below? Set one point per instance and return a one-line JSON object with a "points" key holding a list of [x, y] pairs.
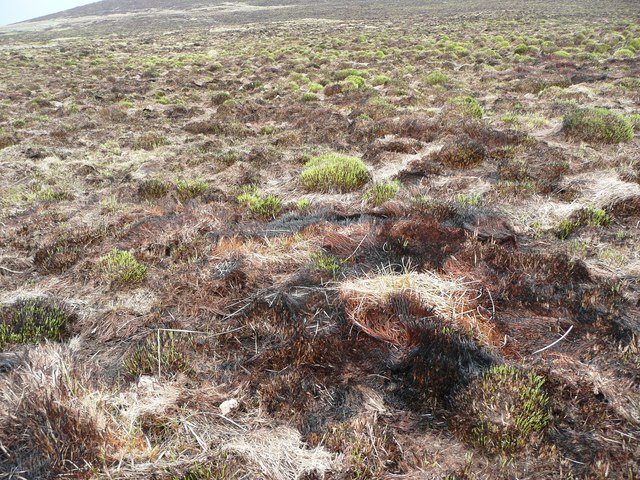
{"points": [[265, 206], [153, 189], [120, 267], [188, 189], [600, 125], [334, 173], [143, 360], [453, 300], [47, 431], [504, 409], [467, 106], [379, 193], [32, 321], [461, 153]]}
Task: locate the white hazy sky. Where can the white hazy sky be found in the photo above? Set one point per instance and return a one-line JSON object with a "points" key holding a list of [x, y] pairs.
{"points": [[12, 11]]}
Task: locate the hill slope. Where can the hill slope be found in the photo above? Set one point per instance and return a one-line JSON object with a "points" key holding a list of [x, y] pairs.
{"points": [[358, 241]]}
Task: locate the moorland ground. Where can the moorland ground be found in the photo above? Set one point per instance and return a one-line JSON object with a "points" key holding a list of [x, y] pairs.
{"points": [[321, 241]]}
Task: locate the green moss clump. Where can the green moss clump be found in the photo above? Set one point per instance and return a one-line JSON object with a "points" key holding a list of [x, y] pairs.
{"points": [[562, 54], [595, 124], [32, 321], [504, 409], [120, 267], [353, 81], [380, 80], [334, 172], [309, 97]]}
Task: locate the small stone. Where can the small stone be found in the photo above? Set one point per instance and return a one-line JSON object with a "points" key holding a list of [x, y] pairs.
{"points": [[228, 406]]}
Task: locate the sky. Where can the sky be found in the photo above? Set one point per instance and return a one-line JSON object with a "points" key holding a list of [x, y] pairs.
{"points": [[12, 11]]}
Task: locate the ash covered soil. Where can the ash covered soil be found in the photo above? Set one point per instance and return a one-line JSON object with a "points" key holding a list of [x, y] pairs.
{"points": [[282, 241]]}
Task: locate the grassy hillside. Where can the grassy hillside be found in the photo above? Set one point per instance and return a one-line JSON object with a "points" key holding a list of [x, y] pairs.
{"points": [[346, 242]]}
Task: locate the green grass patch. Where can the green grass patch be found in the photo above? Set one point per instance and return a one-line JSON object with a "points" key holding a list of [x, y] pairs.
{"points": [[334, 172], [437, 77], [32, 321], [380, 80], [191, 188], [467, 106], [468, 199], [144, 359], [347, 72], [120, 267], [153, 188], [379, 193], [266, 206], [149, 141], [505, 408], [326, 263], [595, 124]]}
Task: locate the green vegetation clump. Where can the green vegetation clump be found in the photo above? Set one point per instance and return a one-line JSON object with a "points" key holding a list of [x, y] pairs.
{"points": [[437, 77], [120, 267], [623, 53], [153, 188], [32, 321], [468, 106], [505, 408], [523, 49], [326, 263], [562, 54], [353, 81], [144, 359], [266, 206], [6, 140], [334, 172], [303, 204], [218, 98], [380, 80], [595, 124], [468, 199], [309, 97], [149, 141], [346, 73], [594, 217], [191, 188], [379, 193], [222, 467]]}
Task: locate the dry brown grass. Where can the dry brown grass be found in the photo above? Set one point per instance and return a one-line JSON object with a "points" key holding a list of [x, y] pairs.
{"points": [[457, 301]]}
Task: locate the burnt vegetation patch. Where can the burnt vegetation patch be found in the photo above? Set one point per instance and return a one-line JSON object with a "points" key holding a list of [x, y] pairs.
{"points": [[312, 250]]}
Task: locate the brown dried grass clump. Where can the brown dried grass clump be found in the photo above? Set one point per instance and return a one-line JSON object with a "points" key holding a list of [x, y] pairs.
{"points": [[48, 426], [461, 152], [420, 128], [384, 305]]}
